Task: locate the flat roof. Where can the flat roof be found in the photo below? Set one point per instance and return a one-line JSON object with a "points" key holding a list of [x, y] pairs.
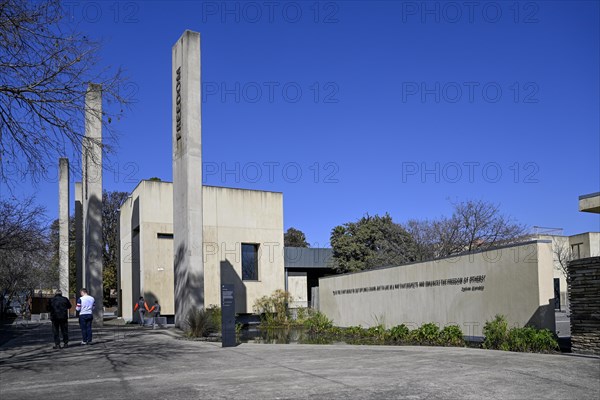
{"points": [[212, 186], [587, 196], [464, 253], [590, 203]]}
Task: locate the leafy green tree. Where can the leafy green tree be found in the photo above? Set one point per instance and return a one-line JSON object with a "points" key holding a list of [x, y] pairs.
{"points": [[294, 238], [369, 243]]}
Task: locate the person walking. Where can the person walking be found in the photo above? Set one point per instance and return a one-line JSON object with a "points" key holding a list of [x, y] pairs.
{"points": [[141, 307], [85, 306], [59, 306], [156, 313]]}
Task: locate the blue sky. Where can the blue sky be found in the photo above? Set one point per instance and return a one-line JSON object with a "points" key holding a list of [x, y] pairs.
{"points": [[354, 107]]}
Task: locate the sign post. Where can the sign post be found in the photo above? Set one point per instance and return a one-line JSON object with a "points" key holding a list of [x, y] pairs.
{"points": [[227, 316]]}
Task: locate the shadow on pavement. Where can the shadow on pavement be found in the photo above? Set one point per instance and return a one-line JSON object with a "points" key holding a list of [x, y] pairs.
{"points": [[30, 348]]}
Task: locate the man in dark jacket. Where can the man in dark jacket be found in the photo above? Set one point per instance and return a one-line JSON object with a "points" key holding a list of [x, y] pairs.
{"points": [[58, 307]]}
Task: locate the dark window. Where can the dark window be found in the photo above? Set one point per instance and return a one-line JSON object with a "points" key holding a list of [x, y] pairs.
{"points": [[249, 262], [164, 235], [556, 293]]}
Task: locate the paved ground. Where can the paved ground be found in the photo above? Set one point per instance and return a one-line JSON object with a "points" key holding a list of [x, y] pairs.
{"points": [[136, 363]]}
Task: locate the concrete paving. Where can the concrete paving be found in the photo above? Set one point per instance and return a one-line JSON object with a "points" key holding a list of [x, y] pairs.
{"points": [[140, 363]]}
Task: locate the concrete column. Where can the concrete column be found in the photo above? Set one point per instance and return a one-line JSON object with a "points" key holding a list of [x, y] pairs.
{"points": [[63, 225], [79, 279], [92, 198], [187, 176]]}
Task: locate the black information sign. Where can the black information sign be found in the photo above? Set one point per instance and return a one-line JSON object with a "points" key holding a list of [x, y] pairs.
{"points": [[227, 316]]}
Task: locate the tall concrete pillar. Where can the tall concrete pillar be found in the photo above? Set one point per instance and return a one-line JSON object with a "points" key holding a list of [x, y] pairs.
{"points": [[79, 270], [187, 176], [92, 198], [63, 225]]}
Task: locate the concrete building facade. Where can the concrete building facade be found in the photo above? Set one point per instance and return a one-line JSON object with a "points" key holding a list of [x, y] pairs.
{"points": [[567, 248], [303, 268], [242, 245]]}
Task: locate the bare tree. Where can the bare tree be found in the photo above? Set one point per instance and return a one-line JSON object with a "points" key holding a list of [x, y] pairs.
{"points": [[481, 225], [45, 68], [562, 254], [21, 225], [423, 235], [25, 250], [474, 225]]}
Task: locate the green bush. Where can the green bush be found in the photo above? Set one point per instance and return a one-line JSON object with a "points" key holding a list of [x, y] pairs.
{"points": [[452, 335], [399, 333], [200, 323], [496, 333], [529, 339], [273, 310], [377, 333], [302, 313], [519, 339], [354, 331], [317, 322], [214, 313], [544, 341], [426, 334], [499, 337]]}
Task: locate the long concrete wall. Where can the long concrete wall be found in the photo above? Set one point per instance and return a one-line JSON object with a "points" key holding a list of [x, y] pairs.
{"points": [[467, 290]]}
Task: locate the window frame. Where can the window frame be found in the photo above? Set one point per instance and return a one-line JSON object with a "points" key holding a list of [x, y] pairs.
{"points": [[256, 247]]}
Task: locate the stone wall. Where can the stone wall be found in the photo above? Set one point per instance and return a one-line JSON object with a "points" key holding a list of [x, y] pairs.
{"points": [[584, 297]]}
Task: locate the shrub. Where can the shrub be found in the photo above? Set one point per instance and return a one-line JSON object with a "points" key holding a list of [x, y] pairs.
{"points": [[426, 334], [317, 322], [496, 333], [544, 341], [273, 310], [452, 335], [302, 313], [498, 336], [531, 339], [200, 323], [519, 339], [377, 333], [214, 313], [399, 333], [354, 331]]}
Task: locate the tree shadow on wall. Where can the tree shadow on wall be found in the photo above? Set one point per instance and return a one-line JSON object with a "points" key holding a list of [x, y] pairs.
{"points": [[189, 286]]}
